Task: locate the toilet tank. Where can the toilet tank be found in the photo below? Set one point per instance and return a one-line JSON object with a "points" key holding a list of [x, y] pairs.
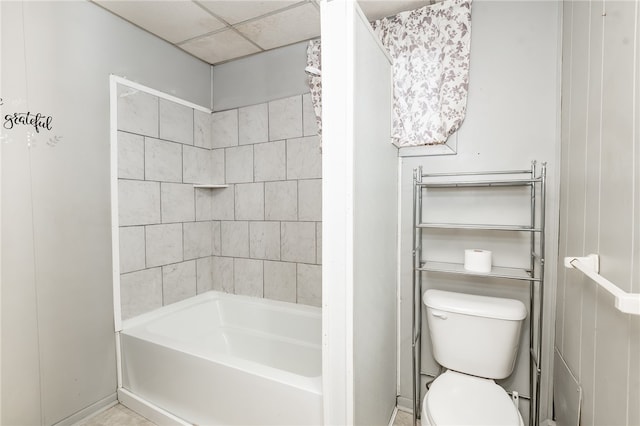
{"points": [[476, 335]]}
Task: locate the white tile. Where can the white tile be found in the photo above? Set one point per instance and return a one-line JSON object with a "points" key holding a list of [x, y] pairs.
{"points": [[247, 277], [196, 165], [239, 164], [270, 161], [178, 202], [264, 240], [138, 202], [217, 166], [280, 281], [253, 124], [137, 112], [309, 120], [224, 128], [174, 21], [130, 156], [222, 203], [309, 279], [310, 199], [234, 238], [176, 122], [298, 242], [302, 23], [204, 274], [162, 160], [285, 118], [281, 200], [178, 281], [140, 292], [216, 238], [239, 11], [219, 47], [204, 198], [304, 159], [198, 239], [222, 274], [202, 129], [249, 201], [163, 244], [131, 249], [319, 243]]}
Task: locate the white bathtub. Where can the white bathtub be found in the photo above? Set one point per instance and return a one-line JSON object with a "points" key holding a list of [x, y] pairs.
{"points": [[221, 359]]}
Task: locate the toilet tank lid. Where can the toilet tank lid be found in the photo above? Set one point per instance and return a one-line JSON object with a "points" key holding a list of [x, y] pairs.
{"points": [[480, 306]]}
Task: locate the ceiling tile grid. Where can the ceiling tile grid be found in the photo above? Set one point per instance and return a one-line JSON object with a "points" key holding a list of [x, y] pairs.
{"points": [[234, 12], [301, 22], [221, 30], [220, 46]]}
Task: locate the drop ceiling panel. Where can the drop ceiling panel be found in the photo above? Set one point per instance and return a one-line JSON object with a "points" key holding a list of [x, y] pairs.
{"points": [[220, 46], [285, 27], [245, 26], [234, 12], [174, 21]]}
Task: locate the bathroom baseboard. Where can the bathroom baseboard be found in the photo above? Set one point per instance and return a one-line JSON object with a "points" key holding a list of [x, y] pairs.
{"points": [[90, 411], [393, 416], [156, 414], [404, 404]]}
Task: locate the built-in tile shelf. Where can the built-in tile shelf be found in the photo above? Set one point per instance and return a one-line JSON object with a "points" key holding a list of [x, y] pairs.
{"points": [[211, 186]]}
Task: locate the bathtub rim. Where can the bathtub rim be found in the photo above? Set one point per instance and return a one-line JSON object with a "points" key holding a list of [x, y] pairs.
{"points": [[312, 384], [209, 295]]}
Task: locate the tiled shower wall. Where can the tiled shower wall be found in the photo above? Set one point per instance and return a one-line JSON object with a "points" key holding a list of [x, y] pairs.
{"points": [[270, 215], [260, 236]]}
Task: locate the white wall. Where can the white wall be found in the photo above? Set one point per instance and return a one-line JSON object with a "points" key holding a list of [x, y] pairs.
{"points": [[375, 223], [57, 312], [599, 213], [359, 222], [275, 74], [511, 120]]}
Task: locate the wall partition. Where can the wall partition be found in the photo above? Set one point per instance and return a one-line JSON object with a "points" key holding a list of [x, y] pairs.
{"points": [[359, 221]]}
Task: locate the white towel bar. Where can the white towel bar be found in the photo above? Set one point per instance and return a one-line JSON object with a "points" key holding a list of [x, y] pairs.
{"points": [[590, 265]]}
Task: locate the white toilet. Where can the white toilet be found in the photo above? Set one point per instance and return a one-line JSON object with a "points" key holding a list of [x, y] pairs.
{"points": [[476, 339]]}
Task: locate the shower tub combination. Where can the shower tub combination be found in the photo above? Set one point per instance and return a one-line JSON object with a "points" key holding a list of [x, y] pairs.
{"points": [[222, 359]]}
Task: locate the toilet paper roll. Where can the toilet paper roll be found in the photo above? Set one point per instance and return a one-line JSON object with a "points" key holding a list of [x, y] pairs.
{"points": [[477, 260]]}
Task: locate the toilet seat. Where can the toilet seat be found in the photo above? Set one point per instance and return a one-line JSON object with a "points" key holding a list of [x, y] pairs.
{"points": [[460, 399]]}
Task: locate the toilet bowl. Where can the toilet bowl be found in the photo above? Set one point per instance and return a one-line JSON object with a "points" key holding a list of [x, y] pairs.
{"points": [[456, 399], [476, 339]]}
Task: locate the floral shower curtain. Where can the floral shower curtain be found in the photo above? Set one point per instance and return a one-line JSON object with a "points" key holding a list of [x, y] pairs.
{"points": [[430, 49], [315, 81]]}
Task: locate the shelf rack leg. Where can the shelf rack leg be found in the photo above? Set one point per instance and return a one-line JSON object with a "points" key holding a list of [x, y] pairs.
{"points": [[543, 196], [532, 362], [416, 316]]}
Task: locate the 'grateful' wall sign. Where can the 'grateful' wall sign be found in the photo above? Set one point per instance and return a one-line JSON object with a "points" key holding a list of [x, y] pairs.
{"points": [[34, 121]]}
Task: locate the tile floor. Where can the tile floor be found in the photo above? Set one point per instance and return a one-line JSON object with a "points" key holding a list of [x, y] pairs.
{"points": [[403, 419], [119, 415]]}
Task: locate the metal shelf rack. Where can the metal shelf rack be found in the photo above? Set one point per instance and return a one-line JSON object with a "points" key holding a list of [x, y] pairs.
{"points": [[536, 181]]}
